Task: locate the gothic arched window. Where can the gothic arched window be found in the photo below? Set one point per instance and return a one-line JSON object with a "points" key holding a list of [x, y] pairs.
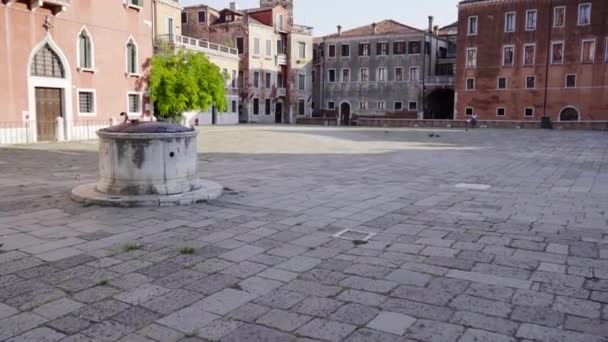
{"points": [[47, 63]]}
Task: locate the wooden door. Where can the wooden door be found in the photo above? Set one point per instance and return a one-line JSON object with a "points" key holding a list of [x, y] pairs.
{"points": [[48, 108]]}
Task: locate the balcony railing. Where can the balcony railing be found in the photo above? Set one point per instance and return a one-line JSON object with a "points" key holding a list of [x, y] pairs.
{"points": [[299, 29], [55, 6], [281, 59], [195, 44], [281, 92], [440, 80]]}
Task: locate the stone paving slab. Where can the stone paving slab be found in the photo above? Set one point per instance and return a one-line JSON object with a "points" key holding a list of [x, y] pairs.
{"points": [[525, 259]]}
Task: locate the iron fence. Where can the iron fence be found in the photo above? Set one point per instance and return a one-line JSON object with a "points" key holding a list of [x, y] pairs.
{"points": [[25, 132]]}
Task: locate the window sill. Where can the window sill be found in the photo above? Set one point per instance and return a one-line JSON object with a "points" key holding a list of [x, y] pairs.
{"points": [[132, 75], [135, 7], [136, 115], [89, 70], [87, 114]]}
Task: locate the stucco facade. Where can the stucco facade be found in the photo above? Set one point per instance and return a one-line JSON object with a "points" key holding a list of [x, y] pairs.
{"points": [[43, 74], [523, 60], [167, 14]]}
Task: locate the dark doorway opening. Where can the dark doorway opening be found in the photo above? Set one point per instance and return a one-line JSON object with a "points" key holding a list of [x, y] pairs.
{"points": [[439, 105], [569, 114], [278, 113], [345, 114]]}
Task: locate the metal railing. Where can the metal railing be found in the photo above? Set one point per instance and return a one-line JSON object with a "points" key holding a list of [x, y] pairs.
{"points": [[196, 44], [281, 59], [25, 132], [440, 80], [300, 29]]}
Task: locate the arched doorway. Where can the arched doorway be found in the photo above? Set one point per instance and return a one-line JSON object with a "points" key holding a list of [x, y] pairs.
{"points": [[345, 114], [439, 104], [569, 114], [49, 91]]}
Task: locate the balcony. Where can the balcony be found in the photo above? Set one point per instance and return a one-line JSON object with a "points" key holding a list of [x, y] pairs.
{"points": [[281, 92], [299, 29], [56, 6], [281, 59], [440, 81], [193, 44]]}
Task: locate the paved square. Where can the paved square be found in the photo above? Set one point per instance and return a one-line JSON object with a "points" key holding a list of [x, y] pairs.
{"points": [[486, 235]]}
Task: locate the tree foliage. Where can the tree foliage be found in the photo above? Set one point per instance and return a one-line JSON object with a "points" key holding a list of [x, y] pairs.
{"points": [[185, 81]]}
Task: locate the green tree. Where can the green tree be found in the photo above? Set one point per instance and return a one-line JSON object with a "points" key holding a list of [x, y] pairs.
{"points": [[185, 81]]}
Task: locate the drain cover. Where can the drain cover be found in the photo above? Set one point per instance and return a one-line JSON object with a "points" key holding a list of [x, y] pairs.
{"points": [[473, 186], [354, 235]]}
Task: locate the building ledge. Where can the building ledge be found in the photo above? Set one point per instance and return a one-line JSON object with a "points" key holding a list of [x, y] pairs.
{"points": [[56, 6]]}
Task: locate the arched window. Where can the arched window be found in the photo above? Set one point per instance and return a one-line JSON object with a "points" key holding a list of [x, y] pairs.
{"points": [[47, 63], [569, 114], [85, 51], [132, 67]]}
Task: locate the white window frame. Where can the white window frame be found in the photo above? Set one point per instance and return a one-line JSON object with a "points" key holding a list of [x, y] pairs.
{"points": [[523, 60], [566, 81], [350, 75], [504, 48], [385, 74], [268, 48], [468, 64], [409, 106], [530, 29], [466, 109], [469, 33], [329, 78], [506, 83], [563, 51], [259, 80], [361, 75], [92, 68], [578, 21], [504, 112], [402, 73], [583, 50], [383, 107], [417, 74], [130, 4], [466, 83], [395, 105], [141, 104], [85, 90], [529, 116], [555, 16], [388, 48], [257, 46], [514, 21], [170, 28], [526, 82], [137, 66]]}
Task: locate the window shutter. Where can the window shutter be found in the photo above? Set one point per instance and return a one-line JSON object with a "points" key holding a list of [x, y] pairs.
{"points": [[82, 51]]}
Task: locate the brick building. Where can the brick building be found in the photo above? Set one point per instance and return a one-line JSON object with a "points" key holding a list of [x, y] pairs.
{"points": [[385, 69], [65, 69], [274, 81], [520, 60]]}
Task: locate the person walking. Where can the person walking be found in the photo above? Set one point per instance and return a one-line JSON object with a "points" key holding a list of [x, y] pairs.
{"points": [[474, 120]]}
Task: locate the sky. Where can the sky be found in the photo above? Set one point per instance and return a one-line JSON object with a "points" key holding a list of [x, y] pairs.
{"points": [[325, 15]]}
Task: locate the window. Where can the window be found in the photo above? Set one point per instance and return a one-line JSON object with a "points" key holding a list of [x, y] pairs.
{"points": [[268, 80], [135, 3], [331, 75], [268, 48], [241, 79], [256, 106], [301, 107], [239, 44], [502, 83], [557, 53], [398, 105], [256, 46], [468, 111], [225, 74], [233, 81], [510, 22], [500, 112], [132, 67], [302, 50], [414, 77], [381, 74], [584, 14], [280, 80], [234, 106], [364, 49], [507, 56], [134, 103], [345, 75], [267, 107], [529, 54], [332, 51], [471, 57], [399, 48], [202, 16], [530, 82], [588, 51], [85, 50], [414, 47], [280, 22], [570, 81], [184, 18], [412, 106], [364, 77], [559, 16], [470, 84], [256, 79], [398, 74], [472, 27], [229, 18], [302, 82], [331, 105], [531, 17], [170, 26], [345, 50], [86, 102], [382, 49], [529, 112], [363, 105], [381, 105]]}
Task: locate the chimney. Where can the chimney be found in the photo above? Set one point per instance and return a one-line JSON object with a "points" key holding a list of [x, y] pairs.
{"points": [[430, 23], [436, 30], [339, 30], [234, 6], [374, 27]]}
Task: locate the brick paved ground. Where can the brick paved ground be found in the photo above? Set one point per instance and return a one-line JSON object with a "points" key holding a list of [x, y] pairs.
{"points": [[524, 260]]}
